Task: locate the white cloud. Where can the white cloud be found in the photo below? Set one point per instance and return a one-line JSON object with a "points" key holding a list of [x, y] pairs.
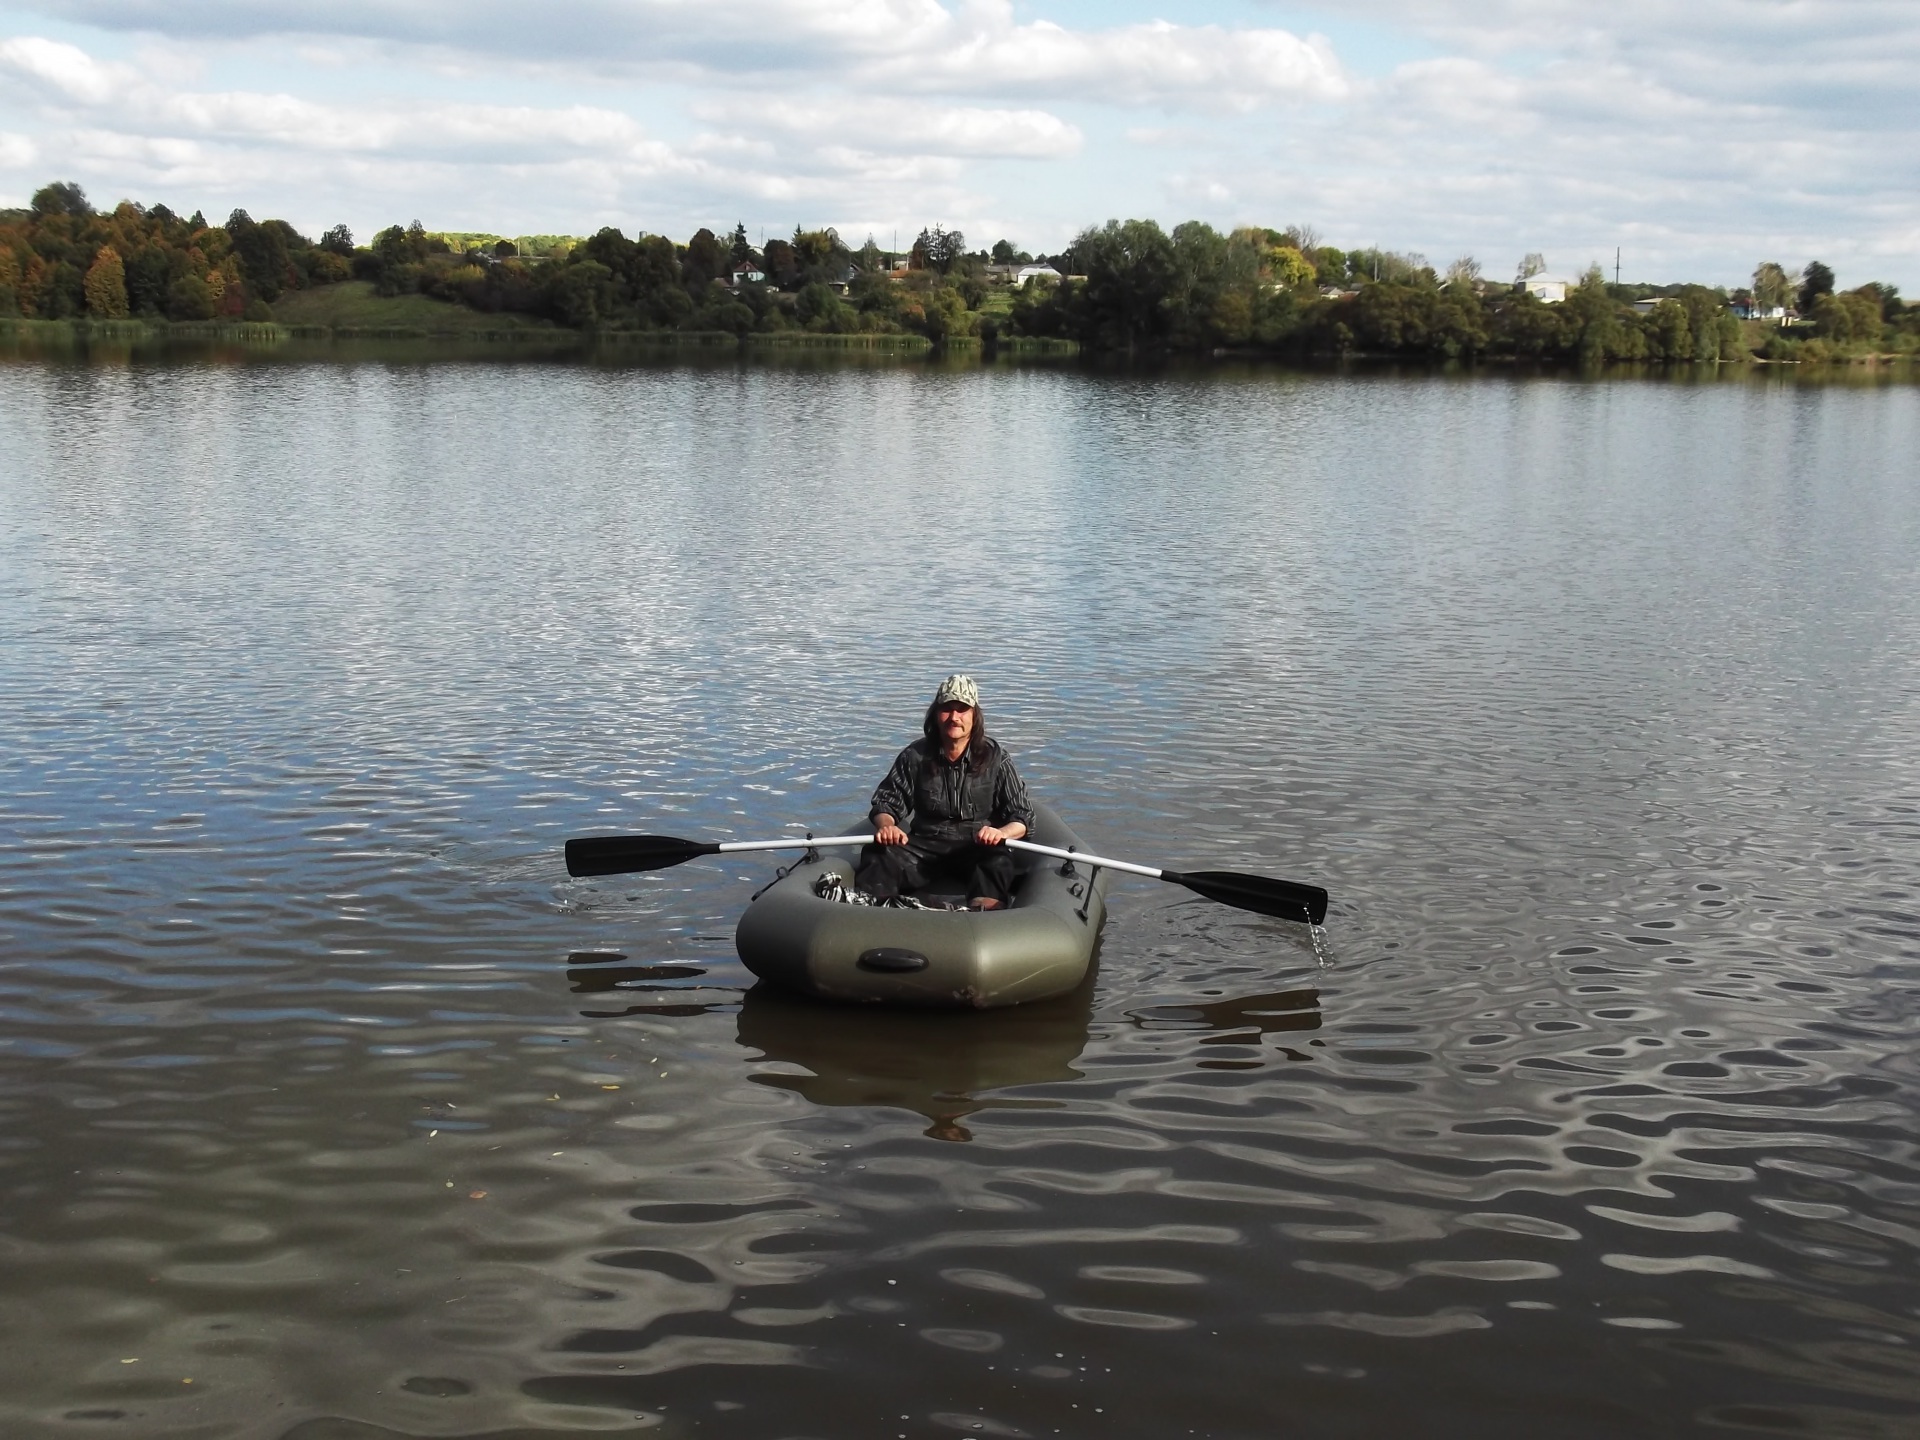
{"points": [[122, 97], [17, 152], [523, 166], [890, 127], [61, 69], [975, 46], [1208, 66], [1700, 137]]}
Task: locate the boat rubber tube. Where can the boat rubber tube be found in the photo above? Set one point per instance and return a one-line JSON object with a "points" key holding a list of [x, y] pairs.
{"points": [[1040, 945]]}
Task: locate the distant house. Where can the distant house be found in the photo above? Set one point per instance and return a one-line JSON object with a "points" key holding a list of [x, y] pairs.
{"points": [[1647, 306], [1548, 289], [748, 275], [1020, 278]]}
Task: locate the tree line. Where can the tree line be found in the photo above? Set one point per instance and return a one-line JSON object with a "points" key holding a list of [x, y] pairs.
{"points": [[1128, 287], [61, 259], [1257, 290]]}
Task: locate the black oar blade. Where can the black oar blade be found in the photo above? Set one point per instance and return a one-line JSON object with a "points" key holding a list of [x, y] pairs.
{"points": [[1282, 899], [624, 854]]}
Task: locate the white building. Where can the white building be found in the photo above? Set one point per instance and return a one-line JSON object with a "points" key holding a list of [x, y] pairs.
{"points": [[1020, 277], [1548, 289]]}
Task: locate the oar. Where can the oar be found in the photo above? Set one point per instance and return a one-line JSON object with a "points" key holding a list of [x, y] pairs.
{"points": [[1283, 899], [623, 854]]}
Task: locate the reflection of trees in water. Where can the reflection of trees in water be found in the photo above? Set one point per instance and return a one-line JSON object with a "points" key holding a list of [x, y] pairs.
{"points": [[937, 1063]]}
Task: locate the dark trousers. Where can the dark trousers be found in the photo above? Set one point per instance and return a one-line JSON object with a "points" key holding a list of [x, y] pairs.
{"points": [[889, 870]]}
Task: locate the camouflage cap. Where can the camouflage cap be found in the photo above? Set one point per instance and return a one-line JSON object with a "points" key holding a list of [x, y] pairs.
{"points": [[958, 689]]}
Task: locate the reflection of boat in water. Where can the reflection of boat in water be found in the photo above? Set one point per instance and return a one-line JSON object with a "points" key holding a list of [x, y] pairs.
{"points": [[939, 1063]]}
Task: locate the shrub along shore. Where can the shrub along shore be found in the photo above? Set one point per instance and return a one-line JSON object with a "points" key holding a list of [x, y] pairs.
{"points": [[1128, 287]]}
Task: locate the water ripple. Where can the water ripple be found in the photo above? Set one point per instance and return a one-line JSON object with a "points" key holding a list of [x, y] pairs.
{"points": [[333, 1108]]}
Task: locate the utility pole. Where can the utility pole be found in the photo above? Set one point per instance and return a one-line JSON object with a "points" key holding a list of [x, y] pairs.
{"points": [[1616, 265]]}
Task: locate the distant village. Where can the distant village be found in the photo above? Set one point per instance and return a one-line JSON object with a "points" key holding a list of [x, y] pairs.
{"points": [[1126, 287]]}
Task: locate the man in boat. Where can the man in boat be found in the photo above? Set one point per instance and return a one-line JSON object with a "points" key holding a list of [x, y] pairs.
{"points": [[950, 800]]}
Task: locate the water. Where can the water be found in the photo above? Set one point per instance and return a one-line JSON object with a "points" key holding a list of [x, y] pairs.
{"points": [[334, 1111]]}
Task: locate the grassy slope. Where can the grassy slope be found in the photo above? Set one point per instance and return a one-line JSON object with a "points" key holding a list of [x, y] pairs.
{"points": [[353, 305]]}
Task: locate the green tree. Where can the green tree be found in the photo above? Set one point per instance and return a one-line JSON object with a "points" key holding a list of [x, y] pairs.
{"points": [[783, 265], [1193, 298], [1288, 267], [705, 261], [64, 292], [1672, 333], [818, 249], [190, 298], [1772, 286], [1407, 319], [62, 197], [580, 293], [719, 309], [1716, 333], [1592, 319], [1850, 319], [937, 248], [149, 269], [1816, 280], [817, 308], [1131, 271], [263, 252], [1887, 297], [1529, 327], [397, 259], [612, 249]]}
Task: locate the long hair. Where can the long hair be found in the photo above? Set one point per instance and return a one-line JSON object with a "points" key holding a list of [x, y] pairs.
{"points": [[979, 747]]}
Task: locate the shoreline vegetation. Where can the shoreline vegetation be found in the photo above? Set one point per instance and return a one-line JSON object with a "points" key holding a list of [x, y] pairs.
{"points": [[74, 275]]}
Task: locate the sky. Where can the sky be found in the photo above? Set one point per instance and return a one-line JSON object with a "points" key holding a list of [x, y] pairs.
{"points": [[1698, 138]]}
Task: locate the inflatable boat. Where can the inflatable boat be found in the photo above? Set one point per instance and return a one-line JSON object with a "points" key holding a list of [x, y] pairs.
{"points": [[1038, 946]]}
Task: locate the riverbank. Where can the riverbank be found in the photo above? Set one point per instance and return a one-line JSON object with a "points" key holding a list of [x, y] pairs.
{"points": [[415, 319], [417, 329]]}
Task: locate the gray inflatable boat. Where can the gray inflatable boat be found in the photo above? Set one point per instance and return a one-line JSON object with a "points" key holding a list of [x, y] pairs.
{"points": [[1040, 945]]}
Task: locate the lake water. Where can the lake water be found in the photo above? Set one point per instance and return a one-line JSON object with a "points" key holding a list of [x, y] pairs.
{"points": [[333, 1110]]}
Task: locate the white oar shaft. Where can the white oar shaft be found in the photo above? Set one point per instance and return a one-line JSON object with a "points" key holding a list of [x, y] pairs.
{"points": [[1100, 860], [729, 847]]}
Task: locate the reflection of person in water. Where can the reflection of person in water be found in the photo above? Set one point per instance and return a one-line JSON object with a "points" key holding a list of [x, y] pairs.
{"points": [[943, 1065], [946, 1065], [960, 798]]}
